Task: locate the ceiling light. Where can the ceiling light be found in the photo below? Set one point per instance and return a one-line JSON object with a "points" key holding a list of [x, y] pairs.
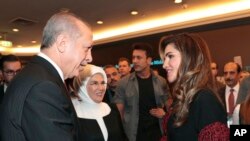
{"points": [[33, 42], [134, 12], [15, 29], [177, 1], [201, 16], [99, 22]]}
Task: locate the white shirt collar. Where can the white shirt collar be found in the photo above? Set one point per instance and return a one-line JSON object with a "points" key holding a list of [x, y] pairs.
{"points": [[236, 88], [53, 64]]}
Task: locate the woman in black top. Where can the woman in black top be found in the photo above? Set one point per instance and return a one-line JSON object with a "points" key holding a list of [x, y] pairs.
{"points": [[197, 112], [98, 121]]}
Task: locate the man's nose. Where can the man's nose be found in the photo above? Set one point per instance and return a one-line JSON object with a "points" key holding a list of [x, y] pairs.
{"points": [[89, 57]]}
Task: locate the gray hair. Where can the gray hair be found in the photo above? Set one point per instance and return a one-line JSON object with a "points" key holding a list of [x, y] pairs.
{"points": [[62, 22]]}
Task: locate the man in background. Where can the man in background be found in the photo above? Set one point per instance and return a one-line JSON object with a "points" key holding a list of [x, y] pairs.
{"points": [[124, 66], [37, 106], [140, 97], [1, 74], [10, 65], [113, 78], [244, 90], [230, 92], [214, 69], [1, 78], [243, 75]]}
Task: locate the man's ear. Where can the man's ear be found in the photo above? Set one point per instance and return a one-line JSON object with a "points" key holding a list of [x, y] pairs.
{"points": [[149, 60], [61, 43]]}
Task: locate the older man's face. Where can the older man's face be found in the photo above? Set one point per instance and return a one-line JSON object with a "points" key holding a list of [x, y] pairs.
{"points": [[78, 53]]}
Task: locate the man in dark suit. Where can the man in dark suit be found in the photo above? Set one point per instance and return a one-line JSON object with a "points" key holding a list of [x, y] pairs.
{"points": [[36, 106], [231, 75], [10, 65]]}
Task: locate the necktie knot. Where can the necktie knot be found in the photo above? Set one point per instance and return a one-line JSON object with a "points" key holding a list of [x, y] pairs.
{"points": [[231, 90]]}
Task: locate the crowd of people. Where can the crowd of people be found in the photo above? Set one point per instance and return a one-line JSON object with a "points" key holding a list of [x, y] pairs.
{"points": [[57, 96]]}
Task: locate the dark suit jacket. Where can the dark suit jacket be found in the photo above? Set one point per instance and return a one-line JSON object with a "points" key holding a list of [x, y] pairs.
{"points": [[36, 106], [1, 93]]}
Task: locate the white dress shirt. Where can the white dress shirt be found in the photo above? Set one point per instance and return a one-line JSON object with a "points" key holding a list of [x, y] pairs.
{"points": [[236, 117], [52, 63]]}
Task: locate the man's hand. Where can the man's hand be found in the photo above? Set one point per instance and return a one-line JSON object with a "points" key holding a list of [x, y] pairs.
{"points": [[157, 112]]}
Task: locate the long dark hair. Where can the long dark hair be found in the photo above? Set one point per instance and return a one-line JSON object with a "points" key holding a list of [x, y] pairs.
{"points": [[194, 72]]}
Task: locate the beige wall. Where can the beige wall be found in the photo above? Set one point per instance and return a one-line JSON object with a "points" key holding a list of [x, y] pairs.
{"points": [[229, 42], [226, 40]]}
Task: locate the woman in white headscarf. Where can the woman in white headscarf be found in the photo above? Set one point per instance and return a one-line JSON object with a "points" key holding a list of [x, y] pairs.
{"points": [[98, 120]]}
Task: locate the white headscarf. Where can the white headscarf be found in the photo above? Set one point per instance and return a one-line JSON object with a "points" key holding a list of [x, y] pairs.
{"points": [[86, 107]]}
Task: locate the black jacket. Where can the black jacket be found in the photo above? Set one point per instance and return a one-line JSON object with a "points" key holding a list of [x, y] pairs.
{"points": [[36, 106]]}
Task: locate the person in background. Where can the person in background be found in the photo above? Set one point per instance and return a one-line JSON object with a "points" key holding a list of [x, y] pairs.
{"points": [[197, 111], [241, 114], [214, 69], [241, 111], [244, 90], [230, 93], [155, 71], [1, 77], [98, 120], [10, 65], [244, 74], [37, 106], [113, 78], [1, 74], [140, 97], [124, 66]]}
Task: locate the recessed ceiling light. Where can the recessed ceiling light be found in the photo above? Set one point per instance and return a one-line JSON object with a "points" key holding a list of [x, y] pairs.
{"points": [[177, 1], [0, 36], [15, 29], [19, 46], [99, 22], [33, 42], [134, 12]]}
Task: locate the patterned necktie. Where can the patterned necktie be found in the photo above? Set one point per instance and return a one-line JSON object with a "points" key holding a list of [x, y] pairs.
{"points": [[231, 102]]}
